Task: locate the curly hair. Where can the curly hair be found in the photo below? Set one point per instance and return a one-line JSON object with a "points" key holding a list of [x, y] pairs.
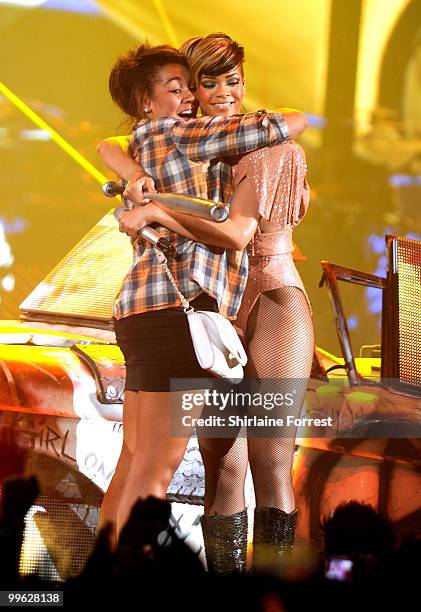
{"points": [[134, 74]]}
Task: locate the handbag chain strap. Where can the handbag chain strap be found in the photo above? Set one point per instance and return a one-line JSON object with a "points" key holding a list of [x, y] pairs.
{"points": [[187, 308]]}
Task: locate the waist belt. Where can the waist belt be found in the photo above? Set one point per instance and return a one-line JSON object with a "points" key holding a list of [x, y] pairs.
{"points": [[273, 243]]}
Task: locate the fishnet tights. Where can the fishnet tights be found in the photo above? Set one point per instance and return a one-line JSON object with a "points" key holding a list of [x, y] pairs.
{"points": [[280, 340]]}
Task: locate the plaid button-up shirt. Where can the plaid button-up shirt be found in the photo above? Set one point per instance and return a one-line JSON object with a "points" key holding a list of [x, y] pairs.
{"points": [[185, 157]]}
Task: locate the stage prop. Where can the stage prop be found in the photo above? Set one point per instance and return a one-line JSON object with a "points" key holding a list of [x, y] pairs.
{"points": [[375, 456]]}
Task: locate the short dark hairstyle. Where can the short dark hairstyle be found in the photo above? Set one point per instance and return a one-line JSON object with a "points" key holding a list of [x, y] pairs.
{"points": [[213, 54]]}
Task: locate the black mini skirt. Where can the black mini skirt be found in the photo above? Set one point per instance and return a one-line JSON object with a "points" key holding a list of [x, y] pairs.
{"points": [[157, 346]]}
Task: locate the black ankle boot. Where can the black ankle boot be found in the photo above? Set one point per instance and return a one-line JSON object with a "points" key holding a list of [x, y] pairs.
{"points": [[273, 536], [225, 539]]}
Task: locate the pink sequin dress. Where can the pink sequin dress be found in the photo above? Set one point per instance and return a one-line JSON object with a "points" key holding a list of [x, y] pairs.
{"points": [[278, 174]]}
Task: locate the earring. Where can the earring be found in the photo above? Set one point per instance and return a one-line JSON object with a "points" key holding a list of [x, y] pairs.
{"points": [[147, 110]]}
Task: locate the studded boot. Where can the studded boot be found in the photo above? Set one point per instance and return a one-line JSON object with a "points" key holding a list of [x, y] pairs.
{"points": [[273, 537], [225, 539]]}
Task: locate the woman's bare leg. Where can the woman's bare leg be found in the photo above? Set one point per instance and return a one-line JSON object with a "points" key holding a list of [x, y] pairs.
{"points": [[157, 452], [109, 506]]}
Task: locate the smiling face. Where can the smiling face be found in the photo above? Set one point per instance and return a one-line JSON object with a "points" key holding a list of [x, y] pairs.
{"points": [[221, 95], [171, 95]]}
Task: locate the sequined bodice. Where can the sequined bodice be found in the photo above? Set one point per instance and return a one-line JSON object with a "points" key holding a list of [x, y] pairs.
{"points": [[278, 176]]}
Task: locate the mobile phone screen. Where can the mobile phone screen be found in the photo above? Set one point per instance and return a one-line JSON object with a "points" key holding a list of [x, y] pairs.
{"points": [[338, 568]]}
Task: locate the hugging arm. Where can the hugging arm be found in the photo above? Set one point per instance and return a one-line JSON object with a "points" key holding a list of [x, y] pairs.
{"points": [[296, 122], [208, 138], [234, 233], [114, 152], [213, 137]]}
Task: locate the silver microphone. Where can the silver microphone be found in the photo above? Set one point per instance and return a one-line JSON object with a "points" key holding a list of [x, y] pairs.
{"points": [[111, 189], [152, 236], [190, 205]]}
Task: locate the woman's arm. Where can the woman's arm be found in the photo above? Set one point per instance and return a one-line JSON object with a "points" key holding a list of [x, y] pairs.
{"points": [[296, 121], [114, 152], [234, 233], [213, 137], [237, 135], [115, 155]]}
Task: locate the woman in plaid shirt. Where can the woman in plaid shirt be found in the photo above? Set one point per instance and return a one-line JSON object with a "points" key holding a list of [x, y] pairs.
{"points": [[151, 328]]}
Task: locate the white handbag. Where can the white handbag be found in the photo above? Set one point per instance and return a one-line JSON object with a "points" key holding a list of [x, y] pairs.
{"points": [[217, 345]]}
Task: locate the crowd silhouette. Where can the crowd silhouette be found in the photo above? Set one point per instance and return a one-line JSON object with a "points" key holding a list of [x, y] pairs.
{"points": [[361, 565]]}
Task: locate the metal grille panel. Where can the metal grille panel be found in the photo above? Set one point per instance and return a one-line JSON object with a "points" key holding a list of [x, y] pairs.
{"points": [[58, 539], [86, 281], [409, 310]]}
